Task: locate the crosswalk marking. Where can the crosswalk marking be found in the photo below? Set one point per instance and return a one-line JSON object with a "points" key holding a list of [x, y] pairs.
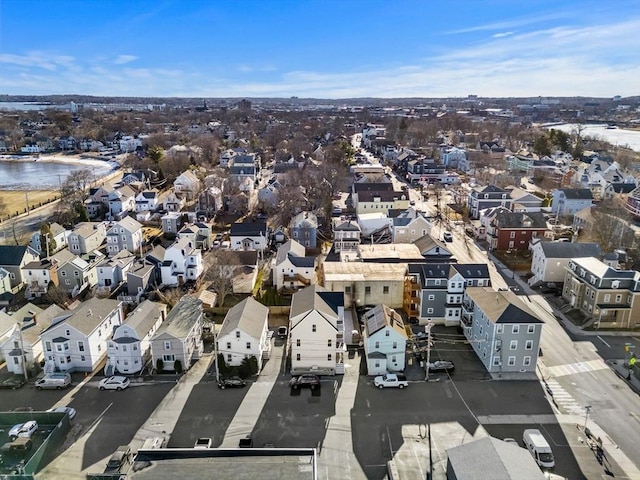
{"points": [[580, 367], [563, 399]]}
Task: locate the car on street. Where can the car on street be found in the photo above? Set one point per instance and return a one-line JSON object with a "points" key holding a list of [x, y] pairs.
{"points": [[12, 383], [120, 458], [282, 332], [68, 410], [216, 243], [114, 383], [441, 366], [203, 442], [231, 382], [510, 440], [305, 380], [391, 380], [23, 430], [447, 237]]}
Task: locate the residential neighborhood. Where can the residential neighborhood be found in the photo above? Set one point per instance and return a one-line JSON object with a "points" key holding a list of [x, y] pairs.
{"points": [[470, 272]]}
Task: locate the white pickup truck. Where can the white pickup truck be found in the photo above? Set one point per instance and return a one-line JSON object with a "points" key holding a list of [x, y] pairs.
{"points": [[391, 380]]}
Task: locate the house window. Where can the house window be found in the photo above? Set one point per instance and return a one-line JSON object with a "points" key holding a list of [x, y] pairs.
{"points": [[367, 290], [385, 289], [328, 357], [83, 358], [512, 234], [167, 345], [67, 332], [76, 274], [329, 343], [395, 344], [237, 333], [377, 363], [393, 359], [512, 361], [429, 310], [47, 346], [80, 346], [63, 273], [528, 345], [496, 361], [607, 298], [513, 345], [618, 298], [515, 329], [229, 358], [228, 345], [298, 357], [377, 345], [313, 327], [67, 282], [531, 329], [386, 333], [526, 361], [248, 345], [499, 329], [431, 297], [347, 289]]}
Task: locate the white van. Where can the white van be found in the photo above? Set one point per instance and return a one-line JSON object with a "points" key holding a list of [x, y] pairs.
{"points": [[54, 380], [538, 447]]}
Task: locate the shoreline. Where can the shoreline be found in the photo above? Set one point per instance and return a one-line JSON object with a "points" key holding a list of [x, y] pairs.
{"points": [[63, 159]]}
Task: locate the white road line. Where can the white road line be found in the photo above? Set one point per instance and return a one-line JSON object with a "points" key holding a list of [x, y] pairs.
{"points": [[600, 338]]}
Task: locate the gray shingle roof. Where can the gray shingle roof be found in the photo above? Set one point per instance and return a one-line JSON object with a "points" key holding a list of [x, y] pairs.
{"points": [[578, 193], [144, 316], [248, 229], [13, 254], [181, 318], [248, 316], [506, 219], [88, 315], [570, 250]]}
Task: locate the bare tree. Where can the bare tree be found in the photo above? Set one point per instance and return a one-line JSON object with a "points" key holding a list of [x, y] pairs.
{"points": [[610, 227], [222, 266]]}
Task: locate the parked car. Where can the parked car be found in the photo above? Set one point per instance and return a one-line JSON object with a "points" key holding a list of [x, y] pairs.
{"points": [[282, 332], [56, 381], [305, 380], [23, 430], [231, 382], [203, 442], [114, 383], [441, 366], [447, 237], [68, 410], [391, 380], [120, 458], [12, 383]]}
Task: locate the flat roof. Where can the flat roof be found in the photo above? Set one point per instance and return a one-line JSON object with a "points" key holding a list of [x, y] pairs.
{"points": [[263, 463], [371, 271]]}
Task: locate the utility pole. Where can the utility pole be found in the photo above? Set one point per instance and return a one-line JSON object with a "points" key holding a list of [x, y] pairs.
{"points": [[26, 194], [22, 354], [215, 351], [586, 416], [426, 367]]}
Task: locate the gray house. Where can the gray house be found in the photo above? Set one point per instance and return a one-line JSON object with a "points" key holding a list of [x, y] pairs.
{"points": [[124, 235], [87, 237], [179, 339], [503, 331], [487, 197], [79, 273], [13, 258], [140, 279], [304, 229]]}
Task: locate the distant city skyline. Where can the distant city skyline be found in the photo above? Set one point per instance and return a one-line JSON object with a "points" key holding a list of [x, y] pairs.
{"points": [[320, 48]]}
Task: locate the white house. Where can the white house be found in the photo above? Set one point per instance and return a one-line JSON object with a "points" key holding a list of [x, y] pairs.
{"points": [[316, 331], [77, 339], [549, 260], [385, 340], [59, 234], [173, 203], [249, 236], [21, 346], [569, 201], [129, 143], [292, 269], [244, 332], [178, 341], [122, 201], [187, 184], [147, 200], [130, 348], [111, 272], [182, 262]]}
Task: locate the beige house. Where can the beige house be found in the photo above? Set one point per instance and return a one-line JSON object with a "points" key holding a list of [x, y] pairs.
{"points": [[365, 283]]}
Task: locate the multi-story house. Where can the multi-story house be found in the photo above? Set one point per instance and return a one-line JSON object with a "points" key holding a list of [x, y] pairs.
{"points": [[442, 287], [171, 222], [13, 258], [77, 339], [249, 236], [125, 234], [409, 226], [367, 200], [187, 185], [173, 202], [316, 331], [122, 201], [603, 294], [292, 270], [182, 262], [524, 201], [568, 201], [514, 231], [304, 229], [385, 340], [59, 235], [147, 201], [346, 235], [140, 279], [452, 156], [87, 237], [79, 273], [549, 260], [199, 233], [38, 276], [178, 341], [433, 251], [486, 197], [503, 331], [113, 271], [22, 347], [130, 347], [243, 333]]}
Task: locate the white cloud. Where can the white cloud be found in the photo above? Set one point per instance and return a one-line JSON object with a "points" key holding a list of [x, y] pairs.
{"points": [[502, 34], [122, 59]]}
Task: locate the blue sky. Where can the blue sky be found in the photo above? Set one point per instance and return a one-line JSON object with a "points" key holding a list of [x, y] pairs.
{"points": [[320, 48]]}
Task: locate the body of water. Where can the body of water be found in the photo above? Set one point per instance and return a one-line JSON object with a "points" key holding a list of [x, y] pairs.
{"points": [[26, 106], [618, 137], [25, 173]]}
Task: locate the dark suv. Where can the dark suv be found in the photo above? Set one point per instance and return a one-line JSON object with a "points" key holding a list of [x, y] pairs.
{"points": [[231, 382], [120, 458], [305, 380]]}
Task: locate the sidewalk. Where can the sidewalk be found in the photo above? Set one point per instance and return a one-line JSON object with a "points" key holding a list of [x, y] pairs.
{"points": [[253, 402], [336, 458]]}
